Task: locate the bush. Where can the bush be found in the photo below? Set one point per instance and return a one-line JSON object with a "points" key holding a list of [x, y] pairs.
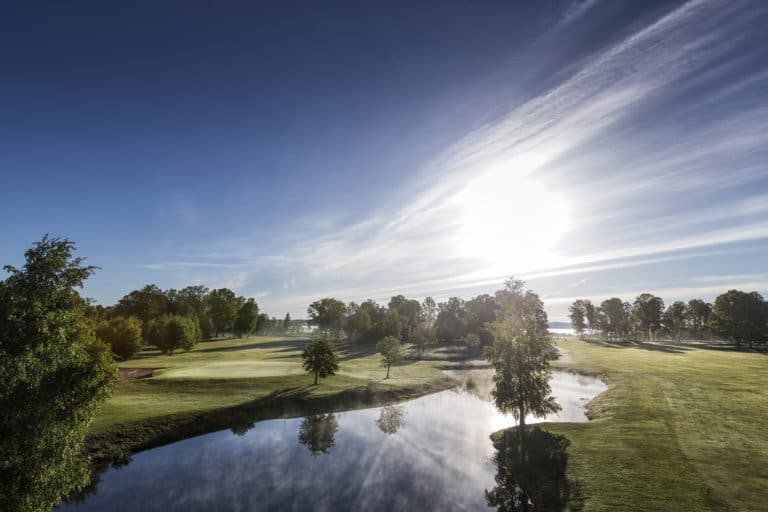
{"points": [[123, 335], [177, 332]]}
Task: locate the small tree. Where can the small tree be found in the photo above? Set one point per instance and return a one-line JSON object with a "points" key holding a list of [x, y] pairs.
{"points": [[424, 336], [391, 352], [123, 335], [320, 357], [287, 324]]}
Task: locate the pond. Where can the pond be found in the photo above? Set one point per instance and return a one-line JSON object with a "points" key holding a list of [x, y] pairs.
{"points": [[430, 453]]}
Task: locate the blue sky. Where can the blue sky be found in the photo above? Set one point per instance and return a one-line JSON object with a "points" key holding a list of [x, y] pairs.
{"points": [[594, 148]]}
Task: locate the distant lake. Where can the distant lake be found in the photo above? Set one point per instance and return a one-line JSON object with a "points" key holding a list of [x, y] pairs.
{"points": [[430, 453]]}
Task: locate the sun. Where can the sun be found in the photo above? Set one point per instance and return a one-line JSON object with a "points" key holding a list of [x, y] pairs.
{"points": [[510, 220]]}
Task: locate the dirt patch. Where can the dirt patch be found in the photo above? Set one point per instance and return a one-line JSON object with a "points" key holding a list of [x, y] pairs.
{"points": [[135, 373]]}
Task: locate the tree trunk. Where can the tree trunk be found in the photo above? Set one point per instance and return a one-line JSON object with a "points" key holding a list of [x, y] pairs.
{"points": [[316, 373], [387, 372]]}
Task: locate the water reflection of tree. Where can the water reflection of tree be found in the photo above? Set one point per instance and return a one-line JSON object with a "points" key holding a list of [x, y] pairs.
{"points": [[391, 418], [530, 474], [317, 432]]}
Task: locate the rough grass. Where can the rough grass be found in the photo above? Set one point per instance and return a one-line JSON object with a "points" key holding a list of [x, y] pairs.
{"points": [[679, 428], [219, 383]]}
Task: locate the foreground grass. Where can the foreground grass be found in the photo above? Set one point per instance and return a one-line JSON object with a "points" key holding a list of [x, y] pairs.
{"points": [[231, 383], [678, 429]]}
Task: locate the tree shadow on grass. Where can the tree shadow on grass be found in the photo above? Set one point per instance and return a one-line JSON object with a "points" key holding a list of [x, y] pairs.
{"points": [[531, 473]]}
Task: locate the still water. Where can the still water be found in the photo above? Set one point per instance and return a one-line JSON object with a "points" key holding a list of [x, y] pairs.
{"points": [[430, 453]]}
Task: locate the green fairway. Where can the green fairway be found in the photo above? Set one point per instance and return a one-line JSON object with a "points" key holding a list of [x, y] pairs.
{"points": [[679, 428], [257, 376]]}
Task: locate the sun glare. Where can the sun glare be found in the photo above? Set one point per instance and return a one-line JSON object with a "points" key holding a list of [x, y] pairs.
{"points": [[511, 220]]}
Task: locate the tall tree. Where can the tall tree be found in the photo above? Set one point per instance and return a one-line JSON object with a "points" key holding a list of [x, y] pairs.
{"points": [[590, 313], [357, 323], [409, 314], [451, 320], [429, 310], [391, 352], [521, 353], [223, 306], [578, 314], [698, 317], [53, 374], [675, 319], [287, 323], [423, 337], [320, 357], [146, 304], [648, 311], [614, 317], [247, 317], [740, 317], [327, 314]]}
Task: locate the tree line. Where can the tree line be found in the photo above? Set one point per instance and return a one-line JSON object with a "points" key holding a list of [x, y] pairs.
{"points": [[736, 316], [455, 321], [178, 319]]}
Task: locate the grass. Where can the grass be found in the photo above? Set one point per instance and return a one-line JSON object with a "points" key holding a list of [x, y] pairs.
{"points": [[221, 384], [679, 428]]}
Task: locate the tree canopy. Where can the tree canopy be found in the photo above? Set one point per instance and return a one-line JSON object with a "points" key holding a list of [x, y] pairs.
{"points": [[320, 357], [53, 374]]}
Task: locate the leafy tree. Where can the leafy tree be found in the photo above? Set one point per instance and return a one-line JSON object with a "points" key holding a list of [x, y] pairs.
{"points": [[521, 353], [614, 317], [391, 352], [327, 313], [320, 357], [578, 314], [698, 317], [317, 433], [146, 304], [190, 301], [675, 319], [740, 317], [53, 374], [408, 312], [122, 334], [481, 312], [648, 311], [223, 306], [357, 323], [178, 332], [287, 323], [590, 313], [423, 337], [247, 317], [451, 320], [429, 310]]}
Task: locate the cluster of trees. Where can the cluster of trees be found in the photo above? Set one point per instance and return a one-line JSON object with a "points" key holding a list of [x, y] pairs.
{"points": [[735, 316], [420, 323], [178, 319]]}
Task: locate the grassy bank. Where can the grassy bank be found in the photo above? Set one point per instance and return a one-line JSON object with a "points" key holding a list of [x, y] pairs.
{"points": [[679, 428], [232, 383]]}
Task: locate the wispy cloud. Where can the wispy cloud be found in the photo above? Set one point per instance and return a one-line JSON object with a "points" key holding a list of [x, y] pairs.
{"points": [[635, 151]]}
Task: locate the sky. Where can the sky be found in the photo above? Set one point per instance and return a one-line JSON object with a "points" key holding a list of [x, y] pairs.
{"points": [[359, 150]]}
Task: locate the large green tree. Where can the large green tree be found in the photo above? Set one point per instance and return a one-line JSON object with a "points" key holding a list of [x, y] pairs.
{"points": [[648, 311], [122, 334], [698, 317], [675, 319], [146, 304], [578, 315], [740, 317], [53, 374], [223, 307], [451, 323], [177, 332], [521, 354], [327, 314], [247, 318], [320, 357]]}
